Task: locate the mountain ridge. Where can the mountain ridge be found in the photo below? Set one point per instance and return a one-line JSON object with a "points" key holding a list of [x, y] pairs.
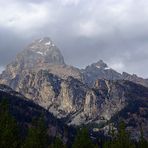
{"points": [[43, 54]]}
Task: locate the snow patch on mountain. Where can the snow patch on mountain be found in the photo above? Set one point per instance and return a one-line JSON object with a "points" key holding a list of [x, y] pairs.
{"points": [[107, 68], [40, 53], [98, 67], [48, 43]]}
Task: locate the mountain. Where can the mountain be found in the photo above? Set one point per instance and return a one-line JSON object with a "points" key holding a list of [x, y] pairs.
{"points": [[101, 70], [95, 94], [40, 54], [134, 78], [43, 54]]}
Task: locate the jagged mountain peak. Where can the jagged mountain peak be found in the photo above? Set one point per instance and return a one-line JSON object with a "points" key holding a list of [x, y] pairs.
{"points": [[45, 41], [98, 65], [42, 50], [40, 53], [42, 40], [99, 70]]}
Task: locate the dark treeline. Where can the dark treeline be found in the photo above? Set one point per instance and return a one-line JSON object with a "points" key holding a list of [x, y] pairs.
{"points": [[37, 135]]}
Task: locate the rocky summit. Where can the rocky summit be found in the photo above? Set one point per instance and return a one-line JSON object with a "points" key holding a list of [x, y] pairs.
{"points": [[101, 70], [95, 94], [38, 53]]}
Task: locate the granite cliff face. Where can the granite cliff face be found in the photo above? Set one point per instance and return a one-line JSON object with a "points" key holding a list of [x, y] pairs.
{"points": [[71, 98], [92, 95]]}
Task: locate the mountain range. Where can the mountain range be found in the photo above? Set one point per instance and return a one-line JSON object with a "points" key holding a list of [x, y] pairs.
{"points": [[93, 95]]}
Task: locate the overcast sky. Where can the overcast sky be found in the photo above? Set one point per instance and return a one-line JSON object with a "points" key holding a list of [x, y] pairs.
{"points": [[84, 30]]}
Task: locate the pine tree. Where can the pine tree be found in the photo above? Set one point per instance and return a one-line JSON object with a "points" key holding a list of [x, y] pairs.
{"points": [[123, 139], [142, 142], [109, 142], [82, 140], [58, 143], [37, 135], [9, 131]]}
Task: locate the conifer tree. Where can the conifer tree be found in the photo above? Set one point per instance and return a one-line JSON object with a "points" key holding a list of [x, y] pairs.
{"points": [[83, 140], [142, 142], [37, 135], [58, 143], [9, 131], [123, 139]]}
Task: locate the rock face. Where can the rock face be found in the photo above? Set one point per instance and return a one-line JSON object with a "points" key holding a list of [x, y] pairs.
{"points": [[93, 95], [135, 113]]}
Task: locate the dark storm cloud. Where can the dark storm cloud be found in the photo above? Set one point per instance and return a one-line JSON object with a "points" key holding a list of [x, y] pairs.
{"points": [[112, 30]]}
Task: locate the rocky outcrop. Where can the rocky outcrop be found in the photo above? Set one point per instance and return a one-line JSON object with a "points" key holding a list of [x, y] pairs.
{"points": [[135, 113], [114, 97]]}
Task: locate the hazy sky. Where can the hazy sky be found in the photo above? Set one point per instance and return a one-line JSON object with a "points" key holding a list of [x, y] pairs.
{"points": [[84, 30]]}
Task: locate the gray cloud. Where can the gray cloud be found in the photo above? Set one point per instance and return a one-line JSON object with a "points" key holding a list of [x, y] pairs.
{"points": [[84, 30]]}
